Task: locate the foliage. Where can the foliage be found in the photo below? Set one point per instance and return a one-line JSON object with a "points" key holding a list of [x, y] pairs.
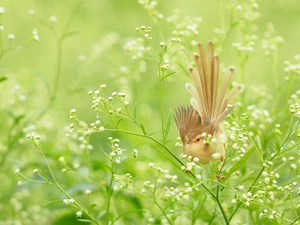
{"points": [[117, 158]]}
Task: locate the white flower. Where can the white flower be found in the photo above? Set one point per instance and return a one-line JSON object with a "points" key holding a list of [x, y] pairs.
{"points": [[162, 44], [53, 19], [198, 176], [11, 36], [294, 166], [196, 160], [78, 213], [17, 171], [31, 12], [216, 155], [87, 192], [2, 10]]}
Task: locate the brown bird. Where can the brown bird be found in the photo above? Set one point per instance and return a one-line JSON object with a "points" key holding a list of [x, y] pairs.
{"points": [[199, 124]]}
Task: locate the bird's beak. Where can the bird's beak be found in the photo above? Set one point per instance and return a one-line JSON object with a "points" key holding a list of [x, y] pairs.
{"points": [[187, 141]]}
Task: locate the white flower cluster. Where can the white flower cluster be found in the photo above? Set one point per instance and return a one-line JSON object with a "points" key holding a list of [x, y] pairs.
{"points": [[35, 35], [292, 68], [272, 41], [145, 31], [150, 6], [116, 151], [238, 139], [258, 118], [248, 45], [122, 181], [187, 27], [136, 49], [99, 100], [174, 194], [295, 109]]}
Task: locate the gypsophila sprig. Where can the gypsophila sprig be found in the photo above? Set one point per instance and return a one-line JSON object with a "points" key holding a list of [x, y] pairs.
{"points": [[187, 27], [151, 7], [292, 69], [272, 41], [136, 48]]}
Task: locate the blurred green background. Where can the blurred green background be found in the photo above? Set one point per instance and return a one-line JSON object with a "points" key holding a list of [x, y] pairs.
{"points": [[94, 55]]}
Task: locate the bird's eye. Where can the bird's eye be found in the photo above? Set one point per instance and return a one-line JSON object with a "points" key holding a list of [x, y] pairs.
{"points": [[198, 139]]}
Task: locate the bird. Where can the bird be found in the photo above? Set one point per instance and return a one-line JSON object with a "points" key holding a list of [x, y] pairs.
{"points": [[199, 125]]}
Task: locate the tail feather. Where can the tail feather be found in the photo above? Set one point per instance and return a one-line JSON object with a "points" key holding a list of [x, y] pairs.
{"points": [[214, 87], [210, 99]]}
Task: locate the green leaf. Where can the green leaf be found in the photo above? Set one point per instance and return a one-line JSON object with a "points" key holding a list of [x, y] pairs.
{"points": [[144, 131], [239, 163], [169, 74], [3, 79], [44, 174], [119, 121], [258, 142], [276, 147], [234, 24], [54, 201], [294, 127], [165, 48], [92, 206], [19, 118], [69, 34], [245, 177], [169, 121], [195, 205], [86, 220], [127, 212], [135, 108], [101, 214], [103, 164]]}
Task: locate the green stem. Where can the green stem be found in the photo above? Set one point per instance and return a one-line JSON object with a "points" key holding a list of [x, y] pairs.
{"points": [[220, 205], [59, 51], [275, 74], [1, 41], [48, 166], [58, 70], [161, 111], [251, 187], [294, 208], [109, 197]]}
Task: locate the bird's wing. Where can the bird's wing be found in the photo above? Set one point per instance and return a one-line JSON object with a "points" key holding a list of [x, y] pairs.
{"points": [[186, 118]]}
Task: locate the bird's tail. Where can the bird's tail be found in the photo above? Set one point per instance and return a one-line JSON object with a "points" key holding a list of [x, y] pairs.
{"points": [[209, 98]]}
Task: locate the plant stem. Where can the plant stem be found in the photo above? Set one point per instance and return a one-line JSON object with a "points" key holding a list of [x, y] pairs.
{"points": [[220, 205], [109, 197], [59, 51], [58, 70], [1, 42], [161, 111]]}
